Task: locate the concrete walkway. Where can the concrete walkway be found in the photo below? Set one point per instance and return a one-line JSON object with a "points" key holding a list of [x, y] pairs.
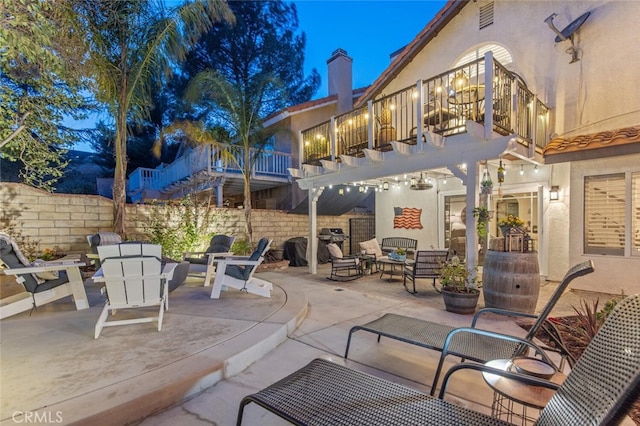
{"points": [[212, 353]]}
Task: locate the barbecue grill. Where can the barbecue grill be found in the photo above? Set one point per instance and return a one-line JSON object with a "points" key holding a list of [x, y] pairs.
{"points": [[333, 235]]}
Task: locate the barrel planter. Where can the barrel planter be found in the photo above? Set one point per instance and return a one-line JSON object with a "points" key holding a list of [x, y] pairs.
{"points": [[460, 303], [511, 280]]}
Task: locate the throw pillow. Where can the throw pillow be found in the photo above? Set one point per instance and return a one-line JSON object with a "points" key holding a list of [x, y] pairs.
{"points": [[334, 250], [371, 247]]}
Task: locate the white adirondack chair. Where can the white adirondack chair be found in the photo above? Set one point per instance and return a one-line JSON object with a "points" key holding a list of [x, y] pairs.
{"points": [[237, 272], [133, 278], [41, 282]]}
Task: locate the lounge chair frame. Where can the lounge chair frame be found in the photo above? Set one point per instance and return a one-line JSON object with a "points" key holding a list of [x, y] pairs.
{"points": [[469, 342], [600, 390]]}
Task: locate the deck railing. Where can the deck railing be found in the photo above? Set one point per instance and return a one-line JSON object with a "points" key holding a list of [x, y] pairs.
{"points": [[213, 160], [483, 91]]}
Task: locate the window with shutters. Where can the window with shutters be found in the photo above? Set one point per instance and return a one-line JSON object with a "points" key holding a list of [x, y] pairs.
{"points": [[605, 214]]}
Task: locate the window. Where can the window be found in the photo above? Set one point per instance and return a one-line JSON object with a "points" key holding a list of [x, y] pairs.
{"points": [[605, 206]]}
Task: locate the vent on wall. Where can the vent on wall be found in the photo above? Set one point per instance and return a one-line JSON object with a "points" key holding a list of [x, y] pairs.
{"points": [[486, 15]]}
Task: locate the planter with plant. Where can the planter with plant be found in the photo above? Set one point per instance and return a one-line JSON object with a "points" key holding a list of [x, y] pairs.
{"points": [[507, 223], [398, 254], [459, 287], [483, 215]]}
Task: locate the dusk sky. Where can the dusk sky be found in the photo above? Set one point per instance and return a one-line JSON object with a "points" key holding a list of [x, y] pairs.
{"points": [[368, 30]]}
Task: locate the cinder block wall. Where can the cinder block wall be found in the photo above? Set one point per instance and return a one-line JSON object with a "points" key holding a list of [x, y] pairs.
{"points": [[65, 220]]}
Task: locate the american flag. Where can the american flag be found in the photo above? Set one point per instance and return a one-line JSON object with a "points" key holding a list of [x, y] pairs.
{"points": [[406, 217]]}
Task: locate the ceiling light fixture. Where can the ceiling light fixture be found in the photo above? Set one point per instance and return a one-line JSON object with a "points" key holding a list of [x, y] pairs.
{"points": [[421, 184]]}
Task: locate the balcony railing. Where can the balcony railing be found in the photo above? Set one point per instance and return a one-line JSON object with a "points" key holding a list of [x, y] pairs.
{"points": [[212, 160], [483, 91]]}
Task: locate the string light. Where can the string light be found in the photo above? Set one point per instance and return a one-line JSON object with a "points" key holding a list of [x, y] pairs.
{"points": [[521, 169], [535, 168]]}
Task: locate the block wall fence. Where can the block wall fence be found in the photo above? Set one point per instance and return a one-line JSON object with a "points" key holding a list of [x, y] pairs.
{"points": [[65, 220]]}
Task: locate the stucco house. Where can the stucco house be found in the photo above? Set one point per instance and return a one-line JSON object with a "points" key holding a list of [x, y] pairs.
{"points": [[205, 168], [537, 97]]}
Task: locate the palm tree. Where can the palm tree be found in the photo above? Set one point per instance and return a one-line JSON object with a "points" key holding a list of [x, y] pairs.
{"points": [[132, 44], [238, 110]]}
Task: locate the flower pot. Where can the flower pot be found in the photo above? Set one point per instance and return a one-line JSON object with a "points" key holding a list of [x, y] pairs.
{"points": [[505, 230], [460, 303]]}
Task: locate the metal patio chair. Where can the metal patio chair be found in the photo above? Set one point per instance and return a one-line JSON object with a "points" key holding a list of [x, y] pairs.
{"points": [[599, 390], [469, 342]]}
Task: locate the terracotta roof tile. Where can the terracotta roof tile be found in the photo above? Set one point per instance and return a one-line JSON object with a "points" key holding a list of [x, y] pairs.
{"points": [[624, 136]]}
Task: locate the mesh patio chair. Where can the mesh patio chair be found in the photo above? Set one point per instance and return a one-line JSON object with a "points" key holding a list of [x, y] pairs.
{"points": [[600, 390], [469, 342], [426, 265]]}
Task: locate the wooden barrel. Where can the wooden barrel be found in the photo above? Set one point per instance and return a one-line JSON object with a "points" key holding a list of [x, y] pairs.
{"points": [[511, 280]]}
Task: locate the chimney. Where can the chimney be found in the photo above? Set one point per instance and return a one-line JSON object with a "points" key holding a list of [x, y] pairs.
{"points": [[340, 79]]}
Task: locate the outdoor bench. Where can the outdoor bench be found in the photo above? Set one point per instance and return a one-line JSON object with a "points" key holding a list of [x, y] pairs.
{"points": [[392, 243]]}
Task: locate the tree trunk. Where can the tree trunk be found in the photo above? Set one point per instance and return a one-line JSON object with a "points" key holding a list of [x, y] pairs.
{"points": [[247, 193], [120, 174]]}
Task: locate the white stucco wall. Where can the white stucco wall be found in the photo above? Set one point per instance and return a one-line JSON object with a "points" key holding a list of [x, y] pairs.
{"points": [[597, 93], [590, 95]]}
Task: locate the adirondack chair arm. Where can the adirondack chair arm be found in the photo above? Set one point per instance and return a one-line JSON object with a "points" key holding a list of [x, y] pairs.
{"points": [[239, 262], [44, 268]]}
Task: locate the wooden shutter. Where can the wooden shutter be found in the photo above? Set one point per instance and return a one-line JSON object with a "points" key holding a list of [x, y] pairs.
{"points": [[604, 214]]}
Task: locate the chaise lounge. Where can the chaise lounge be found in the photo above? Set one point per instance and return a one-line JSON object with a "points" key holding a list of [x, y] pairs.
{"points": [[324, 393], [467, 343]]}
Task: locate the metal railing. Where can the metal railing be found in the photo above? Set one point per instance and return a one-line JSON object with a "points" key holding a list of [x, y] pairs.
{"points": [[483, 91], [213, 160]]}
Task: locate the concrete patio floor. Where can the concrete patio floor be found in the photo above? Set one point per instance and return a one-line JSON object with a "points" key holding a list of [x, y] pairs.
{"points": [[212, 353]]}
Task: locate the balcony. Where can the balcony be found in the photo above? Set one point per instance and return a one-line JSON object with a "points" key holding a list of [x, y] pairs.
{"points": [[205, 167], [482, 91]]}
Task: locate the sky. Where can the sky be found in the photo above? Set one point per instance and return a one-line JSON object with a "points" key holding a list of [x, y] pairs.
{"points": [[369, 30]]}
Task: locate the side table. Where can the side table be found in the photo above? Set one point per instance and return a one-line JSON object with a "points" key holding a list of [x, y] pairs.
{"points": [[509, 392], [391, 267]]}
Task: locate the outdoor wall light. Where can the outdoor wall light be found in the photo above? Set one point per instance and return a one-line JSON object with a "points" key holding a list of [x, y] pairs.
{"points": [[341, 191], [554, 193], [361, 189], [385, 186]]}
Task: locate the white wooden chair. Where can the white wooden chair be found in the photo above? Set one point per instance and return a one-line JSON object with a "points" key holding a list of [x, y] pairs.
{"points": [[205, 261], [237, 272], [42, 283], [133, 278]]}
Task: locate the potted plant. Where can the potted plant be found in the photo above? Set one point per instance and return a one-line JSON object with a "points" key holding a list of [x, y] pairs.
{"points": [[510, 221], [459, 287], [483, 215], [398, 254]]}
